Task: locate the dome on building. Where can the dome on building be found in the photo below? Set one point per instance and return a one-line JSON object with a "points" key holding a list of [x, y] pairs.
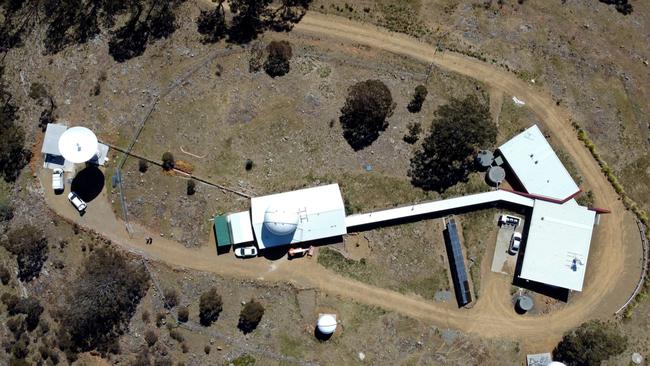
{"points": [[281, 221], [326, 323]]}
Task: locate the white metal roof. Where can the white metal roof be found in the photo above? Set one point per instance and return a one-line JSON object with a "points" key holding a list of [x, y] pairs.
{"points": [[536, 165], [320, 210], [558, 235], [53, 133], [437, 206], [241, 230]]}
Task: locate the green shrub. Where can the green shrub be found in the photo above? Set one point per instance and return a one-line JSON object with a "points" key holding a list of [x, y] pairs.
{"points": [[251, 314], [590, 344], [210, 306], [168, 161]]}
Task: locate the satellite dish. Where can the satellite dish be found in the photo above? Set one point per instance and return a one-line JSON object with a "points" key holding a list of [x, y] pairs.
{"points": [[78, 144]]}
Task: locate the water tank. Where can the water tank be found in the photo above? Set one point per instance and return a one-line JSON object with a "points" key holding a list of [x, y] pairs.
{"points": [[484, 159], [281, 221], [496, 174], [524, 303], [326, 324]]}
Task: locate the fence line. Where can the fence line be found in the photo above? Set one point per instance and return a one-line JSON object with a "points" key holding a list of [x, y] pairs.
{"points": [[174, 84], [639, 285]]}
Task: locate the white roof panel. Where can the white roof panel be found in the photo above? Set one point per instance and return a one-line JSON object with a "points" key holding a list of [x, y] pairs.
{"points": [[53, 133], [536, 165], [557, 244], [320, 214], [241, 230], [437, 206]]}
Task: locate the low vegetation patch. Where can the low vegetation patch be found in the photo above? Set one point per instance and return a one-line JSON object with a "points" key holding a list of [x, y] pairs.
{"points": [[590, 344], [335, 261], [30, 248]]}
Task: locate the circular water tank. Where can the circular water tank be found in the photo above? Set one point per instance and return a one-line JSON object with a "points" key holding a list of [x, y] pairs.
{"points": [[637, 358], [524, 303], [484, 158], [496, 174], [326, 324], [280, 221]]}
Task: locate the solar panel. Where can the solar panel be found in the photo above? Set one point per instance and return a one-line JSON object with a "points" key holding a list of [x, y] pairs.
{"points": [[457, 265]]}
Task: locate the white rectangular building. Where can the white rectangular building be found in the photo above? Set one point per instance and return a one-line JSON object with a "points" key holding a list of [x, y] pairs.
{"points": [[298, 216], [557, 244], [240, 227], [537, 167]]}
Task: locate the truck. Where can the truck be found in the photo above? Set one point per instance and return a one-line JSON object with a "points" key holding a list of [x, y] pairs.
{"points": [[509, 220]]}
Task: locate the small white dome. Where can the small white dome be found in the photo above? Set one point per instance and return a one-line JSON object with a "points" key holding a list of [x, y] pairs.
{"points": [[326, 323], [280, 221]]}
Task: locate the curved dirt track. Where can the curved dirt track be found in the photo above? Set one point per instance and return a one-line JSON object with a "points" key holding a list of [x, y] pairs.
{"points": [[609, 270]]}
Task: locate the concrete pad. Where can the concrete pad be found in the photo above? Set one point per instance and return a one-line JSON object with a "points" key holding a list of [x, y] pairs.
{"points": [[502, 261]]}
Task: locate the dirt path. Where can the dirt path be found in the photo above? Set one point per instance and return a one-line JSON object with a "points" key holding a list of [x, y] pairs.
{"points": [[612, 263]]}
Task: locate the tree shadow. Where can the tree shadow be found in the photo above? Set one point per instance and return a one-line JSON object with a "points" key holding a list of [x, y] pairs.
{"points": [[88, 183]]}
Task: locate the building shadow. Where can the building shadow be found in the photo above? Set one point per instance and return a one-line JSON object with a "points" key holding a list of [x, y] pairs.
{"points": [[321, 336], [88, 183], [275, 253]]}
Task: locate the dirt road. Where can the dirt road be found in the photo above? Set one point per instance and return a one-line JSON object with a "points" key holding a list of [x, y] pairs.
{"points": [[613, 262]]}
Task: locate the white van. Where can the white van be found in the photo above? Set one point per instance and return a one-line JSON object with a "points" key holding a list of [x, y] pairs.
{"points": [[57, 179]]}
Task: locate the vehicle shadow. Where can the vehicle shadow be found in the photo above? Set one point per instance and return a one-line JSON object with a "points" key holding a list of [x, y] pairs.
{"points": [[88, 183]]}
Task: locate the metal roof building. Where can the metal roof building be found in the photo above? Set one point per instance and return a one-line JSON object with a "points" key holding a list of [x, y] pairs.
{"points": [[557, 244], [537, 167], [298, 216]]}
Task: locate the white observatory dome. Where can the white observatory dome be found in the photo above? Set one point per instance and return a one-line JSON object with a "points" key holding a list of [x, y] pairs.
{"points": [[326, 323], [78, 144], [281, 221]]}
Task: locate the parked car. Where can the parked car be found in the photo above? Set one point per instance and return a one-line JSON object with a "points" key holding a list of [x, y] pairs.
{"points": [[509, 220], [515, 242], [246, 252], [57, 179], [78, 203]]}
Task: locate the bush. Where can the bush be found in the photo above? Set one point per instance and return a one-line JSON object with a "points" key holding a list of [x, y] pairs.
{"points": [[414, 133], [100, 302], [250, 316], [5, 275], [6, 212], [459, 129], [30, 248], [418, 99], [590, 344], [176, 335], [171, 298], [249, 164], [168, 161], [183, 314], [143, 166], [150, 337], [363, 117], [277, 61], [206, 349], [210, 306], [191, 187], [37, 91]]}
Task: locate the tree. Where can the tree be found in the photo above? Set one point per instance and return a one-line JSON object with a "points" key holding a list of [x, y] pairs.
{"points": [[183, 314], [30, 248], [168, 161], [171, 298], [251, 314], [622, 6], [248, 20], [5, 275], [212, 24], [210, 306], [13, 155], [363, 117], [100, 302], [459, 129], [418, 98], [277, 61], [590, 344]]}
